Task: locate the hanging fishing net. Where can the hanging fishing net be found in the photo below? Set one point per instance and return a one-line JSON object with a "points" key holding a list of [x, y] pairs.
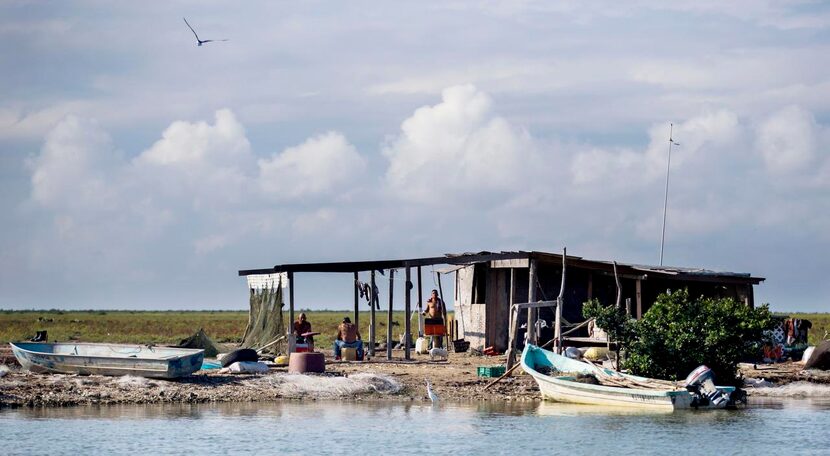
{"points": [[265, 322]]}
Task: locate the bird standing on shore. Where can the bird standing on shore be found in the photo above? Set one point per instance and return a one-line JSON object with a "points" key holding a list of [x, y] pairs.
{"points": [[431, 394], [198, 40]]}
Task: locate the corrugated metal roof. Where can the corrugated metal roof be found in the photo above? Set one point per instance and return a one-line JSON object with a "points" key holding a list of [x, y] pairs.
{"points": [[465, 258]]}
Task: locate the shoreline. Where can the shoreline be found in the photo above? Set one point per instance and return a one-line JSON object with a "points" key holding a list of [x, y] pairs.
{"points": [[454, 380]]}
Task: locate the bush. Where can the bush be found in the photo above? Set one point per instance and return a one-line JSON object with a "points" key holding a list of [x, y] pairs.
{"points": [[620, 328], [678, 334]]}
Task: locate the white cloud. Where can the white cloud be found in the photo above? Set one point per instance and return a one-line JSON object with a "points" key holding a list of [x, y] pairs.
{"points": [[702, 140], [191, 144], [318, 166], [459, 146], [787, 140], [74, 167]]}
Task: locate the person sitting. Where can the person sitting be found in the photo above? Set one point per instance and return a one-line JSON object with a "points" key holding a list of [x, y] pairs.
{"points": [[348, 336], [435, 316], [301, 327]]}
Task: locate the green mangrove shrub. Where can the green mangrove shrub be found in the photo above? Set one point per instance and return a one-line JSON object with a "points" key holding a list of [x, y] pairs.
{"points": [[679, 333]]}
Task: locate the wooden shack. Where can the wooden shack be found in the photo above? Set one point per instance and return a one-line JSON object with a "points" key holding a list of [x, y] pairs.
{"points": [[487, 284], [485, 290]]}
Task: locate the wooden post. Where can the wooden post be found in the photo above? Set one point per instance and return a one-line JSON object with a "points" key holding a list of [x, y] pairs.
{"points": [[560, 302], [639, 299], [407, 311], [557, 325], [590, 285], [420, 305], [356, 304], [443, 308], [511, 341], [530, 334], [389, 316], [292, 341], [372, 316]]}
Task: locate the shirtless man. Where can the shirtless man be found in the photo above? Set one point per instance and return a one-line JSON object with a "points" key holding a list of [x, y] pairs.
{"points": [[435, 312], [348, 336]]}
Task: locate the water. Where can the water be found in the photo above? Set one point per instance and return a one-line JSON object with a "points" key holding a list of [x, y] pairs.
{"points": [[790, 426]]}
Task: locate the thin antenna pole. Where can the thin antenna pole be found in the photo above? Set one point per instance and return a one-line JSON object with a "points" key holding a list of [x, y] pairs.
{"points": [[666, 200]]}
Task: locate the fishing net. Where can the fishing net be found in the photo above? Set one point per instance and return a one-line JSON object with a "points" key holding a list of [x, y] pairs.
{"points": [[265, 323], [201, 340], [326, 387], [795, 389]]}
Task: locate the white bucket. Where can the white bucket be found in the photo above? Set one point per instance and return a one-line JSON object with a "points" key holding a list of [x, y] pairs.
{"points": [[421, 346]]}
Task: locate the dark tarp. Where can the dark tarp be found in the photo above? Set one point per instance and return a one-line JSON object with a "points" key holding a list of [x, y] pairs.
{"points": [[201, 340]]}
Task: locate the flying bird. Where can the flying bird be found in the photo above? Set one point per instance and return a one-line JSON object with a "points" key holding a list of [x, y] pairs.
{"points": [[432, 396], [200, 41]]}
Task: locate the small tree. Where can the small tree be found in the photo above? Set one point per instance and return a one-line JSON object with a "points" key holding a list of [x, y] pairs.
{"points": [[621, 328], [677, 334]]}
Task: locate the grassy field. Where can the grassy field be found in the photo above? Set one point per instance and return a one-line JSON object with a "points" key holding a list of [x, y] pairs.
{"points": [[222, 326], [172, 326]]}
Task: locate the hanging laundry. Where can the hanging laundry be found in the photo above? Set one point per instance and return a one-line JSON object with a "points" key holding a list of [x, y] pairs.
{"points": [[376, 296]]}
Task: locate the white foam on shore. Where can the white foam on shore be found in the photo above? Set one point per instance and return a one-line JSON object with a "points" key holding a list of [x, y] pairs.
{"points": [[795, 389], [298, 385]]}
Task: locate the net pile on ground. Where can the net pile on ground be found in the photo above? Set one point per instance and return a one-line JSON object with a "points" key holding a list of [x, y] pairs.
{"points": [[325, 387]]}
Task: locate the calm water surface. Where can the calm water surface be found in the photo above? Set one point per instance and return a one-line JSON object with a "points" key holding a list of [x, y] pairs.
{"points": [[772, 426]]}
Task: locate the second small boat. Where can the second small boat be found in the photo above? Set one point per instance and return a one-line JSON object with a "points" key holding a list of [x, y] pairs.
{"points": [[563, 379]]}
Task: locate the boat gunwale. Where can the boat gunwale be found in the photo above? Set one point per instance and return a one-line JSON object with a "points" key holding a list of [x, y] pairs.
{"points": [[188, 351], [565, 381]]}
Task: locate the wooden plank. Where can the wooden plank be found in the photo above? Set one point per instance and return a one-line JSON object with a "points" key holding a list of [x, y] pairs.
{"points": [[420, 305], [356, 304], [590, 286], [531, 297], [407, 311], [535, 305], [443, 309], [292, 341], [514, 263], [639, 288], [372, 317], [511, 340], [389, 316]]}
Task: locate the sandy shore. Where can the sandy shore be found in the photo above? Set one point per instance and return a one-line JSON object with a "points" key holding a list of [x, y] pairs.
{"points": [[453, 380], [398, 380]]}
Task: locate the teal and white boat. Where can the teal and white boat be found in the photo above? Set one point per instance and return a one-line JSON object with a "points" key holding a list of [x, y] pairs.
{"points": [[108, 359], [559, 378]]}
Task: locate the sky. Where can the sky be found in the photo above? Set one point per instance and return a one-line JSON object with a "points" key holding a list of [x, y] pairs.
{"points": [[140, 171]]}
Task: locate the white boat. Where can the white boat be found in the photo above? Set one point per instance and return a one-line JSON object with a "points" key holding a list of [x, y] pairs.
{"points": [[557, 377], [108, 359]]}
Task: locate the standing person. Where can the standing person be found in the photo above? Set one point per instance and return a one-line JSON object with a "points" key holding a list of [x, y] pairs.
{"points": [[348, 336], [303, 326], [435, 316]]}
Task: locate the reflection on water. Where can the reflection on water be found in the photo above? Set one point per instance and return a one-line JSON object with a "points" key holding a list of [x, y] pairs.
{"points": [[415, 428]]}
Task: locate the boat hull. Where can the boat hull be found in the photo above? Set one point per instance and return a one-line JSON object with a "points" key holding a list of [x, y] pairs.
{"points": [[108, 359], [564, 388]]}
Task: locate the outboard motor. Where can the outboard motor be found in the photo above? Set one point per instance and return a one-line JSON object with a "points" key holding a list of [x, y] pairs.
{"points": [[701, 382]]}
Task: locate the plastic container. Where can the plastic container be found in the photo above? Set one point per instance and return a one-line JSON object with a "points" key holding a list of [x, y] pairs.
{"points": [[421, 346], [491, 371], [300, 363], [281, 360], [348, 354]]}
